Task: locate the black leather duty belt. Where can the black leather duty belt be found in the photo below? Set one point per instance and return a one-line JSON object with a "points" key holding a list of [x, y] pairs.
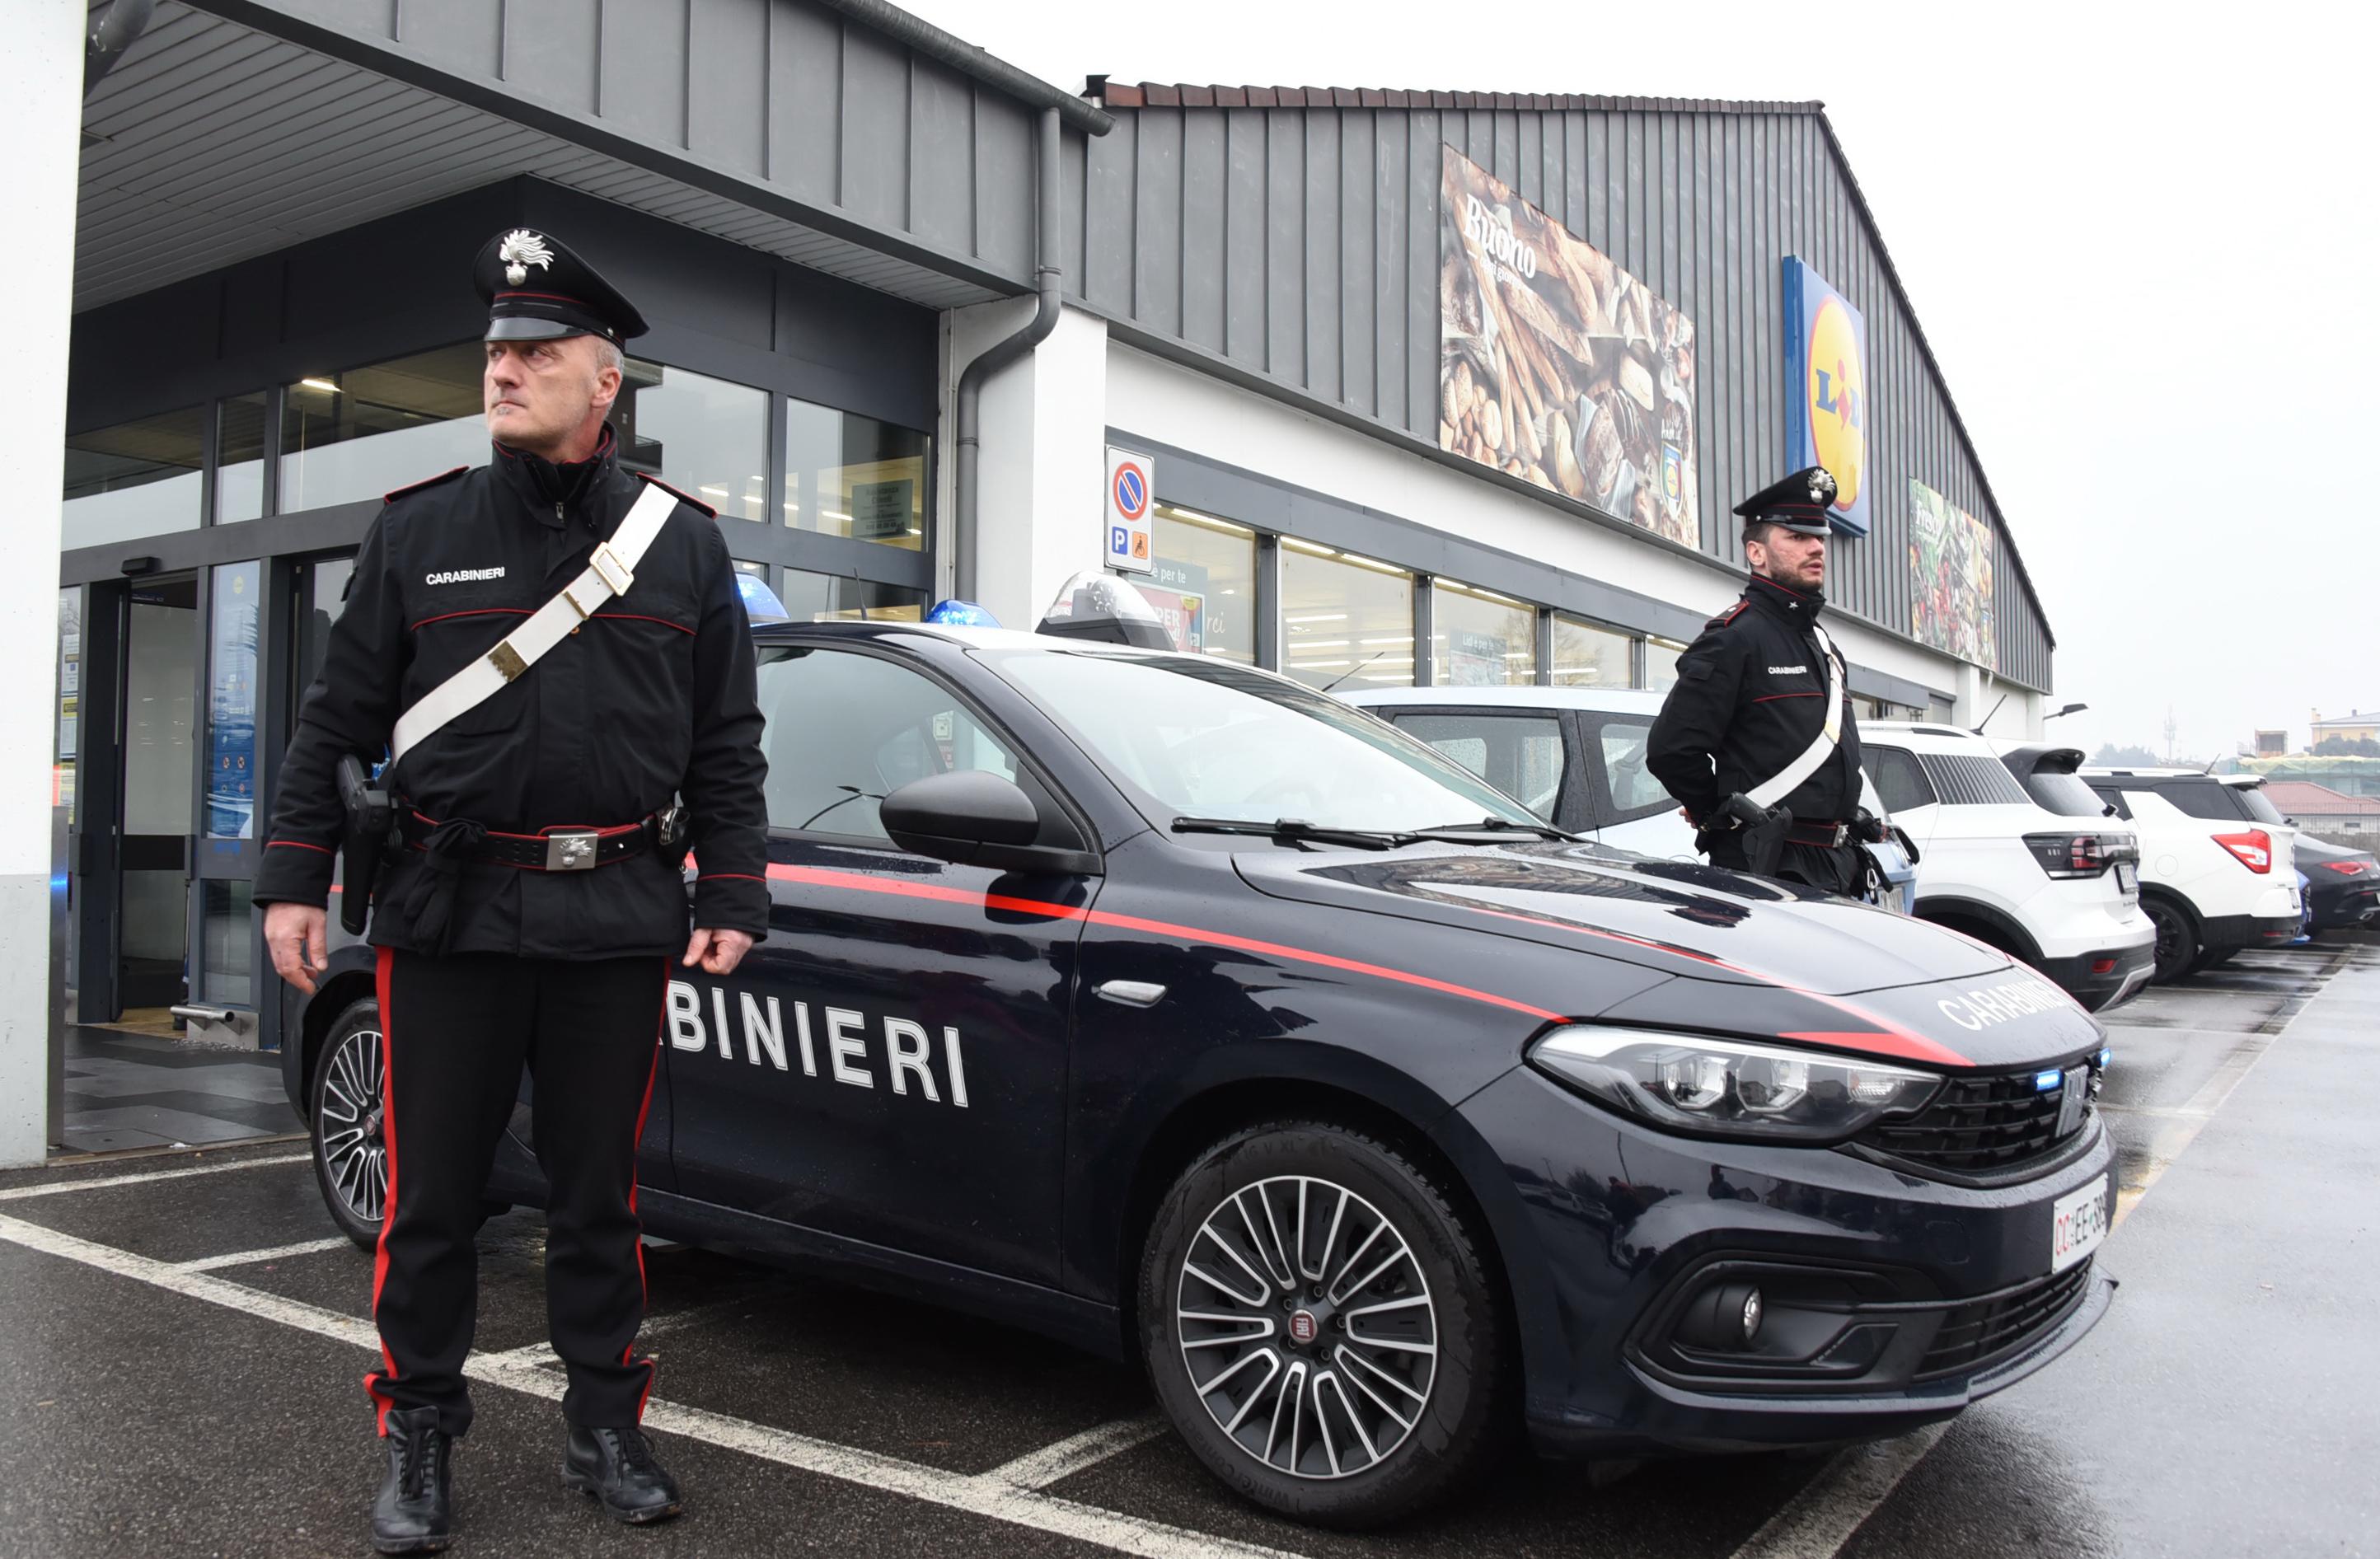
{"points": [[1825, 835], [555, 850]]}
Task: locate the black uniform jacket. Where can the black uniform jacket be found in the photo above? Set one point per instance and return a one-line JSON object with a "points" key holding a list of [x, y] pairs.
{"points": [[1751, 697], [653, 697]]}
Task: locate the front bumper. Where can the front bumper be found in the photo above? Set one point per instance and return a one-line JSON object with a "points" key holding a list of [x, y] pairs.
{"points": [[2080, 976], [1620, 1226]]}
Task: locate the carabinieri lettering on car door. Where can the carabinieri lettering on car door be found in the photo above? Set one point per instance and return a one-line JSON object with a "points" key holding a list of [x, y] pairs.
{"points": [[890, 1065]]}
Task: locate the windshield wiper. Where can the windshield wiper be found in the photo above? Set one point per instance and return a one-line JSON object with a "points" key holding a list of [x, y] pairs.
{"points": [[1496, 826], [1291, 830]]}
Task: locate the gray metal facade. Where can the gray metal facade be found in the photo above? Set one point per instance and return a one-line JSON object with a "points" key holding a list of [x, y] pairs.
{"points": [[1299, 244]]}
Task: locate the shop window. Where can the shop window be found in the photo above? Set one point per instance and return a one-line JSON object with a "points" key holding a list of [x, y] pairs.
{"points": [[1205, 584], [62, 789], [224, 933], [239, 459], [1481, 639], [1661, 664], [136, 479], [827, 597], [855, 477], [1346, 621], [702, 436], [1588, 656], [231, 701], [364, 432]]}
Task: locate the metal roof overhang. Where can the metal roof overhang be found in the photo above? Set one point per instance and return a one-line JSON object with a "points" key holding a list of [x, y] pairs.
{"points": [[232, 129]]}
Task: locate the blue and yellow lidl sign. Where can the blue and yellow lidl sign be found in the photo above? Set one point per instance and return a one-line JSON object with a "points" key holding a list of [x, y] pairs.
{"points": [[1826, 390]]}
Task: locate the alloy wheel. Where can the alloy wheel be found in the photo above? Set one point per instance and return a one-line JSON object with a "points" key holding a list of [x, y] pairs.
{"points": [[1306, 1326], [349, 1133]]}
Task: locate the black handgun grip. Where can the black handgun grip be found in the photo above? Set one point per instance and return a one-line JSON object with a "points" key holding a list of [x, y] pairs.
{"points": [[369, 816]]}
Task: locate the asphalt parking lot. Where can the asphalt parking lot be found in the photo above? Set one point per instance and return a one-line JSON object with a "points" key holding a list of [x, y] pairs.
{"points": [[187, 1337]]}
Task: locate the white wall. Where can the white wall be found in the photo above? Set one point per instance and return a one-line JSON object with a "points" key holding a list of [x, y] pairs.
{"points": [[1163, 401], [41, 119], [1044, 458]]}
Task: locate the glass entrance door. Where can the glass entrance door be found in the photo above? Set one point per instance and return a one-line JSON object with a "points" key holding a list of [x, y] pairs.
{"points": [[159, 793]]}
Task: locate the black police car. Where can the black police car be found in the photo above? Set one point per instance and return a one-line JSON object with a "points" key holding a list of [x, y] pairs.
{"points": [[1167, 1006]]}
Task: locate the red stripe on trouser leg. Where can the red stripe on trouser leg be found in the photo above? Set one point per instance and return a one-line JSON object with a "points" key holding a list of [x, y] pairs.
{"points": [[644, 1290], [374, 1381]]}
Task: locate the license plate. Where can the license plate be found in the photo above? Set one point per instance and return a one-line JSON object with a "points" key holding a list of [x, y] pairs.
{"points": [[2127, 879], [2078, 1222]]}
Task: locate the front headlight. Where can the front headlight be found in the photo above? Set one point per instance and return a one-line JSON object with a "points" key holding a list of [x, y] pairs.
{"points": [[1731, 1088]]}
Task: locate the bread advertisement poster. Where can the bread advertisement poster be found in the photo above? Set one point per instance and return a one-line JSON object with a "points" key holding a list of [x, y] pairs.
{"points": [[1558, 367], [1950, 579]]}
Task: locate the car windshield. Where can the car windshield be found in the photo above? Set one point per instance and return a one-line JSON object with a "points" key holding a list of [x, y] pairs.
{"points": [[2260, 805], [2065, 795], [1205, 738]]}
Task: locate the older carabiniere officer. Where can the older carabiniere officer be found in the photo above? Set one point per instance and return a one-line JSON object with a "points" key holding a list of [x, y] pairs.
{"points": [[554, 650], [1757, 739]]}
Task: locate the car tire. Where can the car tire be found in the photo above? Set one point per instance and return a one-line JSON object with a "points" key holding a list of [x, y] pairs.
{"points": [[343, 1114], [1398, 1349], [2176, 940], [2212, 958]]}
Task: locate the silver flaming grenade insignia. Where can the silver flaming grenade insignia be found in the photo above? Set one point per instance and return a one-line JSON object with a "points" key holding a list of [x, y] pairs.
{"points": [[1821, 486], [521, 249]]}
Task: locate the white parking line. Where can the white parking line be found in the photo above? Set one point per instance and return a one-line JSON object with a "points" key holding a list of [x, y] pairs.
{"points": [[986, 1494], [1822, 1517], [1055, 1463], [278, 1254], [59, 1188]]}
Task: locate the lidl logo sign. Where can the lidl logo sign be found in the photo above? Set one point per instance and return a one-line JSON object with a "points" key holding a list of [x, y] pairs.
{"points": [[1826, 413]]}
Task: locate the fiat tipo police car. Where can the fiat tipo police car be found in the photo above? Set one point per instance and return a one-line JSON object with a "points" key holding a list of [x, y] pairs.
{"points": [[1168, 1006]]}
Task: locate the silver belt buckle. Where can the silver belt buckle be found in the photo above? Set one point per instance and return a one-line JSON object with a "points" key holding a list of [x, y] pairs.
{"points": [[1842, 832], [572, 852]]}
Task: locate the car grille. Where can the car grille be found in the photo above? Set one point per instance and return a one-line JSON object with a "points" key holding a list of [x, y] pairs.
{"points": [[1976, 1126], [1975, 1335]]}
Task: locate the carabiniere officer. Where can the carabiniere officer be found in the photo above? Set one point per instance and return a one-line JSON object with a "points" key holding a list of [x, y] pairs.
{"points": [[1757, 739], [531, 899]]}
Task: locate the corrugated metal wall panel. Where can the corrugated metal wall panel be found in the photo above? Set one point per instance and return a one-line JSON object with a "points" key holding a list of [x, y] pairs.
{"points": [[1307, 246]]}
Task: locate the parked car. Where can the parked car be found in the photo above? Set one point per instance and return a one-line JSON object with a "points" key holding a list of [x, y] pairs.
{"points": [[2217, 870], [1575, 757], [1171, 1008], [2059, 891], [2343, 884]]}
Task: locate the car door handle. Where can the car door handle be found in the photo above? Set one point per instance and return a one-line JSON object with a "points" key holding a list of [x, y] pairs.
{"points": [[1130, 992]]}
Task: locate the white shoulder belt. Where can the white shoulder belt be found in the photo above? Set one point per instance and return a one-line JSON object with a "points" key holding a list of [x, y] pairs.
{"points": [[1768, 793], [609, 573]]}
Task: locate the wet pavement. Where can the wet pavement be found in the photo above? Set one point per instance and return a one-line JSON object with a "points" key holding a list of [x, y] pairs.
{"points": [[189, 1335]]}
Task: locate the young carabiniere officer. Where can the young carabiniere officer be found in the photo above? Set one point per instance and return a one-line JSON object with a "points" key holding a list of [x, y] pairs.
{"points": [[1757, 738], [555, 652]]}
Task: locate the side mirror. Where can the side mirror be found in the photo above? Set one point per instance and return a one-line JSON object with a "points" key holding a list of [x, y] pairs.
{"points": [[975, 818]]}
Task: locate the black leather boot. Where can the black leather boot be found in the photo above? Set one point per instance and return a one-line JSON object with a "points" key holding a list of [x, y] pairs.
{"points": [[415, 1513], [618, 1466]]}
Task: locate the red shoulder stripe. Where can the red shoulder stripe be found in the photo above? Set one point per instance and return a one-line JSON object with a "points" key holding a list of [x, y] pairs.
{"points": [[682, 498], [1729, 615], [425, 482]]}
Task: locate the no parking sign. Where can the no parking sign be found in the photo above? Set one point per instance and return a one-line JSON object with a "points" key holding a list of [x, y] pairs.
{"points": [[1132, 487]]}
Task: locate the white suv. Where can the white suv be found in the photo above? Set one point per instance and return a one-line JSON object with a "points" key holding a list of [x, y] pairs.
{"points": [[2219, 868], [1575, 757], [2061, 893]]}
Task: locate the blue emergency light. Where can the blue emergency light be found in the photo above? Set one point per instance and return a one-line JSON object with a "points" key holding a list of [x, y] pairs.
{"points": [[760, 603], [961, 614]]}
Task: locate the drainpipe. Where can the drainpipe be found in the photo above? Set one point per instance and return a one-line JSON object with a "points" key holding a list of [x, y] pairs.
{"points": [[114, 33], [999, 356]]}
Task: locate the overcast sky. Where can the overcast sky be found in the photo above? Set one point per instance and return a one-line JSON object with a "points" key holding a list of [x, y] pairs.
{"points": [[2141, 246]]}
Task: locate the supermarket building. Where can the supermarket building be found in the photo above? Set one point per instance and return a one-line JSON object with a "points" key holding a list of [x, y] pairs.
{"points": [[1445, 388]]}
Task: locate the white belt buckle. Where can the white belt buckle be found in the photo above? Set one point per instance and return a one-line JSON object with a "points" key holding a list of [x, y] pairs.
{"points": [[608, 567], [570, 851]]}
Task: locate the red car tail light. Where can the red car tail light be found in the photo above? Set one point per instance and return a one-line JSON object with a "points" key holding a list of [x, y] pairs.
{"points": [[2346, 868], [2253, 849]]}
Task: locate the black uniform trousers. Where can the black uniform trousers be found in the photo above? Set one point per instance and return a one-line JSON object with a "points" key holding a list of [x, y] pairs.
{"points": [[459, 1031]]}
